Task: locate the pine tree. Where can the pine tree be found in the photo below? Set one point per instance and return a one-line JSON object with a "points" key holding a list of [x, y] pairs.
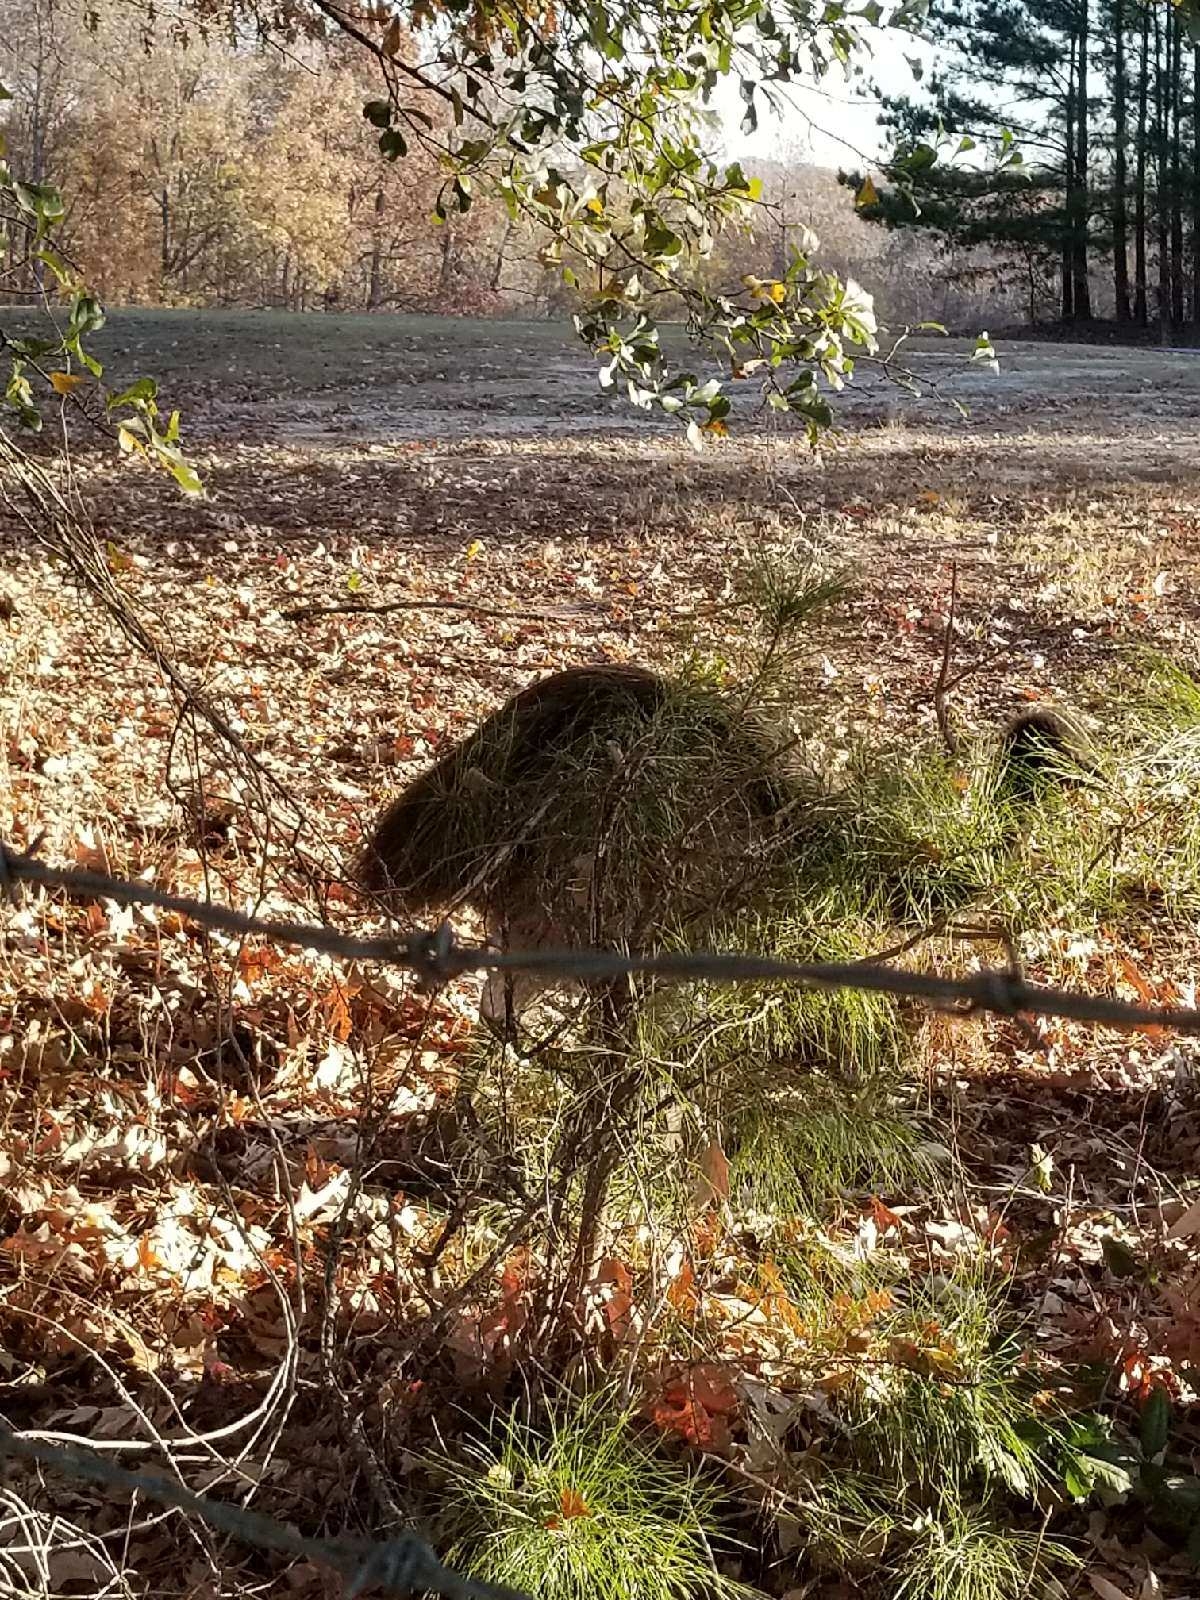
{"points": [[1039, 51]]}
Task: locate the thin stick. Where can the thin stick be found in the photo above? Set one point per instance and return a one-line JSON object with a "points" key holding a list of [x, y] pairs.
{"points": [[384, 608], [949, 737]]}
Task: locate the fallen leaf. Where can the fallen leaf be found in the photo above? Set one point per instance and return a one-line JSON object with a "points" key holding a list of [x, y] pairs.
{"points": [[712, 1183], [1106, 1589]]}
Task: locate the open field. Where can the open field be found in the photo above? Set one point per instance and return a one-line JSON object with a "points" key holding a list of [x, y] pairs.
{"points": [[278, 375], [169, 1195]]}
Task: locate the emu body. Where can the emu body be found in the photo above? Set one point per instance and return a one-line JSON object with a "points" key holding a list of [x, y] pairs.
{"points": [[607, 805]]}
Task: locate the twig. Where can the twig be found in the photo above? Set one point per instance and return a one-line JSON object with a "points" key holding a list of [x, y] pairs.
{"points": [[404, 1564], [436, 957], [949, 737], [357, 608]]}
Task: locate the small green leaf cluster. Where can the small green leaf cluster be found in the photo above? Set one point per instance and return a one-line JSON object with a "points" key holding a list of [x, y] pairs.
{"points": [[591, 123], [57, 365]]}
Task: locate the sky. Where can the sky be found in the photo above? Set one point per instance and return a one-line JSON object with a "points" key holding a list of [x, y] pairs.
{"points": [[832, 124]]}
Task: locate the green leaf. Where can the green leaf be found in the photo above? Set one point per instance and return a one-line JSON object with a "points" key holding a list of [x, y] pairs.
{"points": [[63, 274], [1156, 1422], [40, 200], [34, 349], [185, 477], [661, 240], [87, 316], [378, 113], [1087, 1473], [140, 389], [393, 144]]}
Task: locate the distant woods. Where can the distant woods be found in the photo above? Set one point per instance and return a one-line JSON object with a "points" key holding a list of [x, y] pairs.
{"points": [[199, 172], [1101, 220]]}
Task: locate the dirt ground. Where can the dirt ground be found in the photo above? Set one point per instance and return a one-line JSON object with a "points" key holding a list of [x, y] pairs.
{"points": [[438, 466]]}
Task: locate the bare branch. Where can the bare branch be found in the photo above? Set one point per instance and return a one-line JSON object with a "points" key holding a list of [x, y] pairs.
{"points": [[383, 608]]}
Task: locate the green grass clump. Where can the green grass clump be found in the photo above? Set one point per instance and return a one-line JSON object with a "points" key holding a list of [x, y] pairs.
{"points": [[961, 1554], [950, 1402], [577, 1505], [799, 1148]]}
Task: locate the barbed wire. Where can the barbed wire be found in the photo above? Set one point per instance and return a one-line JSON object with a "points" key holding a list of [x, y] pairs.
{"points": [[404, 1564], [436, 957]]}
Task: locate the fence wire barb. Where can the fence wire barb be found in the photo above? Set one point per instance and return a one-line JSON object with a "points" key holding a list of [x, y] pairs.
{"points": [[405, 1564], [436, 957]]}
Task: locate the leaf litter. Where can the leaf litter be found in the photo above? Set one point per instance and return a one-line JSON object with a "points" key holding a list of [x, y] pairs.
{"points": [[183, 1112]]}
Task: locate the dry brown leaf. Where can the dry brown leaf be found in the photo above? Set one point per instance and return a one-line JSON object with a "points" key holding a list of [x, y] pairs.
{"points": [[712, 1180], [1105, 1588], [1188, 1224]]}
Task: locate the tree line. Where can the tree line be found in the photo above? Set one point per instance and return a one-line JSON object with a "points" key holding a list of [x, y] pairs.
{"points": [[211, 171], [1097, 211]]}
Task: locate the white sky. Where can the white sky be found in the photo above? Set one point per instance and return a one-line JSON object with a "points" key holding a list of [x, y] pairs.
{"points": [[832, 123]]}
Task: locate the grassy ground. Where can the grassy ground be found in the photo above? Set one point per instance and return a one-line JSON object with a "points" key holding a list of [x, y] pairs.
{"points": [[181, 1117]]}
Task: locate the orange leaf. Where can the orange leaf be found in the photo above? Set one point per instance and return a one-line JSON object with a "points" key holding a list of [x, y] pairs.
{"points": [[713, 1183], [682, 1292], [65, 382], [392, 38], [673, 1413], [712, 1389], [337, 1014], [572, 1504], [619, 1303], [511, 1315], [1146, 991]]}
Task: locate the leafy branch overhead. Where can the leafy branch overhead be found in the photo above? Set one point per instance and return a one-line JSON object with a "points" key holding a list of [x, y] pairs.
{"points": [[591, 121]]}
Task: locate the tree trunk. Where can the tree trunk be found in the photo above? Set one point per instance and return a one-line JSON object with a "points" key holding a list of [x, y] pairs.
{"points": [[375, 285], [1079, 225], [1196, 188], [1120, 215], [1067, 309], [1141, 313], [1175, 56], [164, 211], [1162, 176], [446, 270], [501, 248]]}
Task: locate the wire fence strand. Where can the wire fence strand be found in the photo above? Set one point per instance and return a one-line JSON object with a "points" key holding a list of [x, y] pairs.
{"points": [[436, 957], [405, 1564]]}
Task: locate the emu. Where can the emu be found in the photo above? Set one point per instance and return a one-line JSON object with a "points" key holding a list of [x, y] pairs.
{"points": [[609, 805]]}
